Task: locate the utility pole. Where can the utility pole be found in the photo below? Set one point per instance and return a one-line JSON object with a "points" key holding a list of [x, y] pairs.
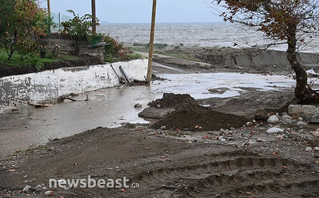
{"points": [[49, 19], [93, 17], [150, 55]]}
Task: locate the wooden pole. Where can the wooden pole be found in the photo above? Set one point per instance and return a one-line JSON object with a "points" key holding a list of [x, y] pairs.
{"points": [[49, 19], [93, 17], [150, 55]]}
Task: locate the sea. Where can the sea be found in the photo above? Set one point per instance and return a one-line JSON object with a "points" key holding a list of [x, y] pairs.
{"points": [[220, 34]]}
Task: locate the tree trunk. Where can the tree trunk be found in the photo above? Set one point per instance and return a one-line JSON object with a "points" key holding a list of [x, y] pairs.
{"points": [[12, 50], [301, 74]]}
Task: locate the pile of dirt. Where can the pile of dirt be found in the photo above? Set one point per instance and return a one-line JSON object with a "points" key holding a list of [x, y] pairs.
{"points": [[9, 70], [172, 100], [188, 115]]}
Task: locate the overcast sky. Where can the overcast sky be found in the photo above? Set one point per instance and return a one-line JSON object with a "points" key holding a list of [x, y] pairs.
{"points": [[139, 11]]}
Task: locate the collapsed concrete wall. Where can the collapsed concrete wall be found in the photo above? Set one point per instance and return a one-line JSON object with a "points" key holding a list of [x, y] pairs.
{"points": [[66, 45], [48, 86]]}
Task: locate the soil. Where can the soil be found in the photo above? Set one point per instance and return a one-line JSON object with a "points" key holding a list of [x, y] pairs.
{"points": [[172, 100], [8, 70], [164, 166], [203, 161], [188, 115]]}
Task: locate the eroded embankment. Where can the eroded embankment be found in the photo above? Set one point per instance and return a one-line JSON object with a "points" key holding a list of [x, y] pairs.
{"points": [[247, 60]]}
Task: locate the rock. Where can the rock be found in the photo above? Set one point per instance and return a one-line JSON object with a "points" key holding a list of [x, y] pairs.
{"points": [[273, 119], [137, 106], [294, 109], [48, 193], [315, 118], [275, 130], [301, 123], [284, 114], [249, 124], [260, 114], [316, 148], [308, 149], [26, 189], [286, 119]]}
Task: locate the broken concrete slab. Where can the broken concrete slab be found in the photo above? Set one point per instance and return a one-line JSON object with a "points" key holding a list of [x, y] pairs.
{"points": [[294, 109], [308, 110]]}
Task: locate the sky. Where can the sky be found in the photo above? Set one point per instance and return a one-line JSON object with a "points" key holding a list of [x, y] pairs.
{"points": [[139, 11]]}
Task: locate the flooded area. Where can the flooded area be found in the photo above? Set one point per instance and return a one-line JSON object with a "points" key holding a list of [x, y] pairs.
{"points": [[112, 106]]}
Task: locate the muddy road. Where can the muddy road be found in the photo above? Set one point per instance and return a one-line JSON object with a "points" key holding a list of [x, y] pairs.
{"points": [[161, 166]]}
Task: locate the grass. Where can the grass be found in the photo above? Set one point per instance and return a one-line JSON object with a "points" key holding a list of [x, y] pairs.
{"points": [[180, 56], [130, 56], [156, 45], [34, 59]]}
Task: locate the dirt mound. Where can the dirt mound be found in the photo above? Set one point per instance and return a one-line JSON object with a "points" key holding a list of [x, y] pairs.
{"points": [[172, 100], [193, 117]]}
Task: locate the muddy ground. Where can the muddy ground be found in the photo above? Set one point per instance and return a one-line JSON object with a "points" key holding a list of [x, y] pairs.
{"points": [[244, 160]]}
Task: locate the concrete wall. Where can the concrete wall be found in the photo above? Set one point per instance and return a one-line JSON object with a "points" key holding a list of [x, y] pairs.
{"points": [[47, 86], [67, 45]]}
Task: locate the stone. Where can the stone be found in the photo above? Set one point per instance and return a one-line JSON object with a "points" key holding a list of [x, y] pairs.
{"points": [[137, 106], [249, 124], [26, 189], [301, 123], [286, 119], [260, 114], [308, 149], [316, 148], [315, 118], [273, 119], [275, 130], [48, 193], [284, 114]]}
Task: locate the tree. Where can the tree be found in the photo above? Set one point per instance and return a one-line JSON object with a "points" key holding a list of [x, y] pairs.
{"points": [[287, 20], [79, 28], [20, 23]]}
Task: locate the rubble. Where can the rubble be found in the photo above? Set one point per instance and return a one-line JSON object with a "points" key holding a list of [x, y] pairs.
{"points": [[275, 130], [273, 119]]}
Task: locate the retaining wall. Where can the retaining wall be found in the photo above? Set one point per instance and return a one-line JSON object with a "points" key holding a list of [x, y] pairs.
{"points": [[47, 86]]}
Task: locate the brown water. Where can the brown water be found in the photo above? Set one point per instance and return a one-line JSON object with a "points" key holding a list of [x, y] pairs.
{"points": [[106, 108], [112, 106]]}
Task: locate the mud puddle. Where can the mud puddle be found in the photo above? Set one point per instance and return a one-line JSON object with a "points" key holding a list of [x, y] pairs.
{"points": [[113, 106]]}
